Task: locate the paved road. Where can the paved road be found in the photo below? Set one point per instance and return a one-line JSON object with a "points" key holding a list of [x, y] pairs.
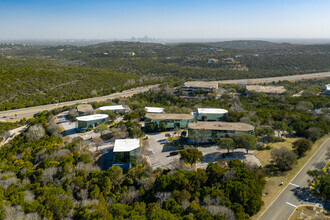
{"points": [[33, 110], [276, 79], [297, 192], [13, 133]]}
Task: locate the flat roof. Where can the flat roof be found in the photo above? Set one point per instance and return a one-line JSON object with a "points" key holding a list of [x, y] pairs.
{"points": [[154, 109], [201, 84], [126, 145], [112, 107], [266, 89], [92, 117], [85, 108], [169, 116], [227, 126], [212, 111]]}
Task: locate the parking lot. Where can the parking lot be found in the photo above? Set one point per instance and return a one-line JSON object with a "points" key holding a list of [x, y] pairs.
{"points": [[70, 127], [159, 153]]}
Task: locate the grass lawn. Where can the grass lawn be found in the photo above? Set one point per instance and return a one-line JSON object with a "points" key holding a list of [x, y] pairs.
{"points": [[264, 155], [309, 212], [272, 188]]}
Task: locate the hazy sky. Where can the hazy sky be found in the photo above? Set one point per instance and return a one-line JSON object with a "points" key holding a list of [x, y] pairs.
{"points": [[167, 19]]}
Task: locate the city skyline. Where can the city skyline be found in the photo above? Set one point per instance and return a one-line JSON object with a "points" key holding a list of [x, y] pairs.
{"points": [[101, 19]]}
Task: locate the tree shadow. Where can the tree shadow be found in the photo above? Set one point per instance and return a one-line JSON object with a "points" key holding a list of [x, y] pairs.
{"points": [[168, 148], [305, 195], [216, 156], [212, 157], [319, 165]]}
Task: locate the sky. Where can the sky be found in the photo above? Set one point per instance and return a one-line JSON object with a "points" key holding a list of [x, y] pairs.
{"points": [[166, 19]]}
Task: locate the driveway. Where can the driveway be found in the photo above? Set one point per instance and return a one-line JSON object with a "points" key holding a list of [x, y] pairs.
{"points": [[13, 133]]}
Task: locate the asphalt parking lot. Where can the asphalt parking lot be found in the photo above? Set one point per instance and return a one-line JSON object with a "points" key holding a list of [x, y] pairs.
{"points": [[159, 154]]}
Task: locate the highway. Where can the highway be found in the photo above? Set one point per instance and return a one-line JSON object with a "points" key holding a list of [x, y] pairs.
{"points": [[24, 112], [276, 79], [297, 191]]}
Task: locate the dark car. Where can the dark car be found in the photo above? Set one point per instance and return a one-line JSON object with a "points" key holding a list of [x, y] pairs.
{"points": [[173, 153]]}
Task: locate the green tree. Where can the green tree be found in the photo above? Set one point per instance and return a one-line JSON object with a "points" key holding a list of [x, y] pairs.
{"points": [[301, 146], [279, 126], [151, 127], [191, 156], [283, 158], [226, 143], [247, 141], [162, 125], [321, 182]]}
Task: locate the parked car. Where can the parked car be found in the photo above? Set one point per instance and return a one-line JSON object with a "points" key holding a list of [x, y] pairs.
{"points": [[164, 141], [173, 153]]}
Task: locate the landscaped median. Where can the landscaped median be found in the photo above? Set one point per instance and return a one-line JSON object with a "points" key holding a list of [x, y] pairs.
{"points": [[309, 212], [273, 187]]}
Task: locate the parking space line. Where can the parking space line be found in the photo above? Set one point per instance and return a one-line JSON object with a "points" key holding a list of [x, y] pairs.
{"points": [[294, 185], [291, 204]]}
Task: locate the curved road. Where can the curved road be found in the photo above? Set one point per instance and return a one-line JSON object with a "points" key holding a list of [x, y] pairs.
{"points": [[33, 110], [297, 191]]}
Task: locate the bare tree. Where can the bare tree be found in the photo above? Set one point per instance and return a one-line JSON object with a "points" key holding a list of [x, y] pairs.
{"points": [[87, 167], [54, 129], [222, 210], [29, 196], [185, 204], [17, 213], [83, 194], [47, 175], [35, 132], [130, 196], [162, 197], [6, 179], [98, 141]]}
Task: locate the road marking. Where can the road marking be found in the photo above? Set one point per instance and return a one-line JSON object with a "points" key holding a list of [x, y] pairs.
{"points": [[294, 185], [291, 204], [292, 179]]}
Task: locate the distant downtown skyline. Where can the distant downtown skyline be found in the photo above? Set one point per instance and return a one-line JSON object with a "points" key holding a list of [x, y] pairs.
{"points": [[188, 19]]}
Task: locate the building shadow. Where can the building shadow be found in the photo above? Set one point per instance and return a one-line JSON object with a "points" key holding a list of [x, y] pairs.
{"points": [[105, 161]]}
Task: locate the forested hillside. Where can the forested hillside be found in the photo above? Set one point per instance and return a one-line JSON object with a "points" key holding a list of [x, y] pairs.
{"points": [[44, 177], [35, 75], [31, 82]]}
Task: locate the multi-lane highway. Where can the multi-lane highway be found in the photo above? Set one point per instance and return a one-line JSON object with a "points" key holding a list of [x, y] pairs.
{"points": [[23, 112], [276, 79], [297, 191], [33, 110]]}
